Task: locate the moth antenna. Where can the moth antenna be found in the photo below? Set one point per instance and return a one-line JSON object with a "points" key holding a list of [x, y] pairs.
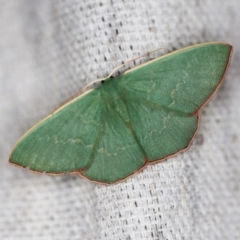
{"points": [[82, 90], [132, 60], [95, 81], [123, 64]]}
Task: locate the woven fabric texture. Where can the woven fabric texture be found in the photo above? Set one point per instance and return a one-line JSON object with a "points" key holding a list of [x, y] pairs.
{"points": [[50, 49]]}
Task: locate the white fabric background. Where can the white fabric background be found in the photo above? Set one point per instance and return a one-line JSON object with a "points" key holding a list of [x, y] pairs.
{"points": [[48, 50]]}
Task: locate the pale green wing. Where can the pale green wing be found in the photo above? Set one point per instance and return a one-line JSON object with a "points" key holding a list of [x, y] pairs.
{"points": [[183, 80], [161, 131], [117, 153], [64, 140], [163, 97], [87, 133]]}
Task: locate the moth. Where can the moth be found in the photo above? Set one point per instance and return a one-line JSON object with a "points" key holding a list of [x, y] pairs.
{"points": [[141, 117]]}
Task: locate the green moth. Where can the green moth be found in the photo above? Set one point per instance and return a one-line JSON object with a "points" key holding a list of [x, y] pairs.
{"points": [[144, 116]]}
